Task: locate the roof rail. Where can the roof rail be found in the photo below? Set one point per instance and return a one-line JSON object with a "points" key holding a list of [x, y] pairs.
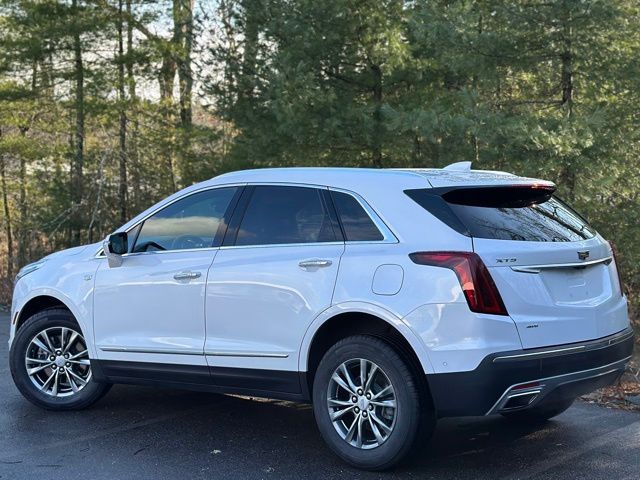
{"points": [[459, 167]]}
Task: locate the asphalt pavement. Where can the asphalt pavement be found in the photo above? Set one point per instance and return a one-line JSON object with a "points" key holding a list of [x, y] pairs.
{"points": [[143, 433]]}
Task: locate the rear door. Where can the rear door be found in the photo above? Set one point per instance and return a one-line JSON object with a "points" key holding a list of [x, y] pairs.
{"points": [[556, 275], [274, 274]]}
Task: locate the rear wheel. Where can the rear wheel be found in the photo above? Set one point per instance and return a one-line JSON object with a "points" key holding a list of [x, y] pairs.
{"points": [[368, 404], [50, 363], [540, 413]]}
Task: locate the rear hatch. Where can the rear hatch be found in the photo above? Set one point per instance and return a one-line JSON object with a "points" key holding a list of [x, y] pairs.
{"points": [[556, 275]]}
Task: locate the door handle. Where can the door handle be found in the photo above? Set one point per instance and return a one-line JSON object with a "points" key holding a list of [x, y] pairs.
{"points": [[315, 263], [187, 275]]}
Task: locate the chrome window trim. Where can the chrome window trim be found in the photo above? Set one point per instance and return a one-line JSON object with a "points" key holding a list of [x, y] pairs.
{"points": [[164, 252], [387, 234], [274, 245]]}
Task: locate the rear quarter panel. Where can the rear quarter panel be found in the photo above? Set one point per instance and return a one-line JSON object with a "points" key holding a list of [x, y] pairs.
{"points": [[429, 302]]}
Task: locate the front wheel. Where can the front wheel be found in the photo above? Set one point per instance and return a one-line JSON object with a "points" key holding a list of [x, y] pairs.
{"points": [[50, 363], [368, 404]]}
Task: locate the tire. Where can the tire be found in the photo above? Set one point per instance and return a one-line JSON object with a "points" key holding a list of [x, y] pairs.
{"points": [[540, 413], [409, 423], [57, 384]]}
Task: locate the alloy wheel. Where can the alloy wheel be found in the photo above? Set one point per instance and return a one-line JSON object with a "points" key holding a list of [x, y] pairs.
{"points": [[362, 403], [57, 361]]}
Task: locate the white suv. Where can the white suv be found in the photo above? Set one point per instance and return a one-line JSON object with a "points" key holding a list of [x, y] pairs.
{"points": [[387, 298]]}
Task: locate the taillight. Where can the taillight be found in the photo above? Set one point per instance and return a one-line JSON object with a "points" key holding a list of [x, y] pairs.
{"points": [[479, 289], [616, 265]]}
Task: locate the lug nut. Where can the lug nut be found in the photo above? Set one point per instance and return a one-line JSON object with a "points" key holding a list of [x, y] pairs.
{"points": [[66, 355], [58, 352], [370, 407], [364, 414], [354, 399], [68, 364], [357, 410], [368, 396], [52, 358], [360, 391]]}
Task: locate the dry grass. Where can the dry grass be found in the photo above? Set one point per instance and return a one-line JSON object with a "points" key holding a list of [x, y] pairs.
{"points": [[616, 396]]}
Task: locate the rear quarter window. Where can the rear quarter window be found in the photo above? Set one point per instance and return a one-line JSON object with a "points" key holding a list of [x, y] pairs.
{"points": [[356, 222]]}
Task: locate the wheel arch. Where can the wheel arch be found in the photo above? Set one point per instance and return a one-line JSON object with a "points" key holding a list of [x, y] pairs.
{"points": [[43, 298], [341, 321], [38, 304]]}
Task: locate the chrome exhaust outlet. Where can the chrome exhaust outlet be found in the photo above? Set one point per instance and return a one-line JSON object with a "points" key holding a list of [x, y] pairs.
{"points": [[519, 400], [518, 397]]}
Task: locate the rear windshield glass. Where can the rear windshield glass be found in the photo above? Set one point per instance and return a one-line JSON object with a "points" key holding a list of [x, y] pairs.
{"points": [[505, 213]]}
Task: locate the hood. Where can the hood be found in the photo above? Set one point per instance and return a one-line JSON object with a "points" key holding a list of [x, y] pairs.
{"points": [[68, 252]]}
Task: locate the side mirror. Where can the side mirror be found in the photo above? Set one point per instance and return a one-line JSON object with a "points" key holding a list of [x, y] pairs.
{"points": [[114, 247]]}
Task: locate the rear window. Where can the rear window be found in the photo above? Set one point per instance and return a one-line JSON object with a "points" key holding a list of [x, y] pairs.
{"points": [[285, 215], [529, 213]]}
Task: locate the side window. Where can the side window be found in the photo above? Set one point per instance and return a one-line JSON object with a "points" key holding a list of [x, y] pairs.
{"points": [[191, 222], [356, 222], [279, 215]]}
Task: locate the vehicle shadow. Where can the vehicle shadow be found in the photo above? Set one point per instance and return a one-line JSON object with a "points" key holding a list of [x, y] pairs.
{"points": [[284, 436], [163, 432]]}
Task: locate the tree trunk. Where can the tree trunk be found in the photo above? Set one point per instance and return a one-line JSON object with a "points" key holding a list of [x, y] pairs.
{"points": [[7, 217], [134, 166], [22, 210], [246, 82], [77, 175], [183, 38], [416, 152], [378, 127], [166, 79], [568, 174], [22, 194], [567, 78], [122, 134], [183, 23]]}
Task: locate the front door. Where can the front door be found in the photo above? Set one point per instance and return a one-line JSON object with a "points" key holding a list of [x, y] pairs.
{"points": [[151, 308], [267, 283]]}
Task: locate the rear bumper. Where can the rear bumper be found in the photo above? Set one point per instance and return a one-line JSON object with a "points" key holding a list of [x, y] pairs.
{"points": [[521, 379]]}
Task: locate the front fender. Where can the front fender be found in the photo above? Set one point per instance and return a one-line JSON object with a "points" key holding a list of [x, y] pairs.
{"points": [[78, 283]]}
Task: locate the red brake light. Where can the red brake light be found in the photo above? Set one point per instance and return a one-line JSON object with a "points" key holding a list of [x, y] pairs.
{"points": [[479, 289], [525, 386]]}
